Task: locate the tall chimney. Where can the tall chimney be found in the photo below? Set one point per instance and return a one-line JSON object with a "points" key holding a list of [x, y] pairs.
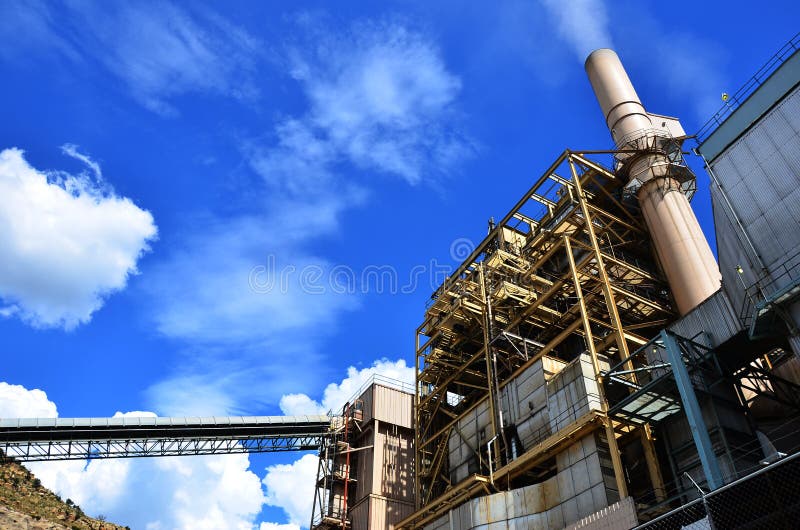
{"points": [[653, 166]]}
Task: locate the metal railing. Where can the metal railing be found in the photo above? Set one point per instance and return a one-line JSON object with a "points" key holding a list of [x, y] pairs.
{"points": [[768, 287], [586, 405], [740, 96], [382, 380]]}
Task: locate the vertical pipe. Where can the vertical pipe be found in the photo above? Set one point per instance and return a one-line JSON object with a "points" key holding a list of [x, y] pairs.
{"points": [[347, 464], [622, 109], [682, 248]]}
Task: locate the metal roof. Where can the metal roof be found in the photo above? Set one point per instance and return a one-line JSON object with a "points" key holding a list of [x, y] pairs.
{"points": [[154, 421]]}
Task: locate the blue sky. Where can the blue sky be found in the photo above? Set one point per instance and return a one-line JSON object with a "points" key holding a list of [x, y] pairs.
{"points": [[187, 190]]}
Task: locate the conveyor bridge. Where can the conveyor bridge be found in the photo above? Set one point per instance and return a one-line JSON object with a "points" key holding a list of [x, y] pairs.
{"points": [[37, 439]]}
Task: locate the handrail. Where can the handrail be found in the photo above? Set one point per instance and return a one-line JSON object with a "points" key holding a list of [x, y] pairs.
{"points": [[768, 284], [396, 384], [752, 84]]}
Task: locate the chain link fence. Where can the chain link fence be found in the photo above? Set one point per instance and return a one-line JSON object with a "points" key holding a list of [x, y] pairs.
{"points": [[766, 499]]}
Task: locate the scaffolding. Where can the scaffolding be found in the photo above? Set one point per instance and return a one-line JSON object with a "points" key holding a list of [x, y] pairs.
{"points": [[569, 272], [334, 476]]}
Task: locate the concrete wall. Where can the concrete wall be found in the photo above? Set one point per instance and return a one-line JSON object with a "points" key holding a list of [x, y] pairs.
{"points": [[583, 485], [546, 397]]}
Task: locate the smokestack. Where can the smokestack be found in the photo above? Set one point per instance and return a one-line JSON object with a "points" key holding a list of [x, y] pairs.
{"points": [[654, 170]]}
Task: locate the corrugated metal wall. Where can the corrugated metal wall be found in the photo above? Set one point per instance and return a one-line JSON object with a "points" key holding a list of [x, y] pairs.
{"points": [[760, 173], [711, 323], [392, 466], [389, 405], [376, 513], [547, 396], [384, 473], [364, 465]]}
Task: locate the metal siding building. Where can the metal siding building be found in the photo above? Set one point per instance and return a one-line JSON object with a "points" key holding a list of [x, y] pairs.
{"points": [[365, 476], [753, 157]]}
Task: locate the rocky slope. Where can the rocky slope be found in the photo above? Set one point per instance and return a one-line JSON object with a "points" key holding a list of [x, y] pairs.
{"points": [[27, 505]]}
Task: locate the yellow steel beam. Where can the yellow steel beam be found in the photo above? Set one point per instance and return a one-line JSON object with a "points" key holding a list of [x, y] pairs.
{"points": [[616, 460], [543, 200], [490, 372], [545, 245], [649, 450]]}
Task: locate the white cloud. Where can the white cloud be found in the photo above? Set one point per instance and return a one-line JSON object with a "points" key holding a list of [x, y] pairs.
{"points": [[583, 24], [244, 311], [276, 526], [230, 299], [337, 394], [189, 492], [204, 492], [159, 50], [380, 97], [66, 243], [72, 150], [40, 25], [162, 50], [379, 100], [16, 401], [196, 394], [291, 487]]}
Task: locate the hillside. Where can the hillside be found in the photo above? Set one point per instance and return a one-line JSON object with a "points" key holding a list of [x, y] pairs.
{"points": [[26, 504]]}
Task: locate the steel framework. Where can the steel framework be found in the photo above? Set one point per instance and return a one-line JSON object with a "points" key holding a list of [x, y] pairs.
{"points": [[675, 374], [568, 270], [38, 439]]}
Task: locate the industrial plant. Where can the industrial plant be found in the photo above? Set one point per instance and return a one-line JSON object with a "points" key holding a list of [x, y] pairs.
{"points": [[590, 365]]}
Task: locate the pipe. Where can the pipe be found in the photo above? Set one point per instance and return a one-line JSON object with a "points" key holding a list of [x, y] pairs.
{"points": [[489, 451], [682, 249]]}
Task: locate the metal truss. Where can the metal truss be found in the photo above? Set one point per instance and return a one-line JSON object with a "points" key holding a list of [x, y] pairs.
{"points": [[31, 440], [568, 270]]}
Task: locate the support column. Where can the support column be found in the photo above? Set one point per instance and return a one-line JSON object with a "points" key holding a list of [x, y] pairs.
{"points": [[653, 469], [693, 412], [613, 448], [647, 440], [490, 369]]}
